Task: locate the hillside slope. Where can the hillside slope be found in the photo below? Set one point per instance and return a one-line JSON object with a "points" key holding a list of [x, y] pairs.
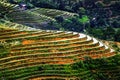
{"points": [[38, 18], [33, 54], [47, 54]]}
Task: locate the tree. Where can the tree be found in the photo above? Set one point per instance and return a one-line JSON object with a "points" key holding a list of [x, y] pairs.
{"points": [[84, 20], [109, 33], [81, 11], [59, 19], [117, 35], [99, 4]]}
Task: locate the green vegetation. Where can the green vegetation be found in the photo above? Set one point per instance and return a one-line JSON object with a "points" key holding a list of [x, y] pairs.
{"points": [[108, 33], [5, 8], [29, 53], [38, 17], [94, 14]]}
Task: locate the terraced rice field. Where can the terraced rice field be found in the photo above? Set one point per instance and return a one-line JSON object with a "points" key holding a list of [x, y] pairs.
{"points": [[44, 54], [32, 54], [5, 7], [38, 17], [11, 25], [53, 12]]}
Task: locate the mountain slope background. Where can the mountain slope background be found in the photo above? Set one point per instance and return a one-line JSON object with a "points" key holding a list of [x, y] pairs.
{"points": [[98, 18]]}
